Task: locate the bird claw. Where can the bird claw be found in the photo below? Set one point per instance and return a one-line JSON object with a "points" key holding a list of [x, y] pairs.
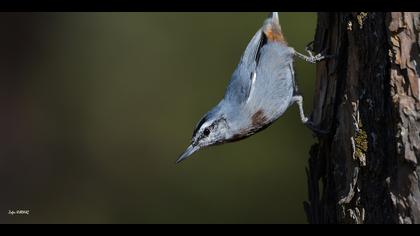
{"points": [[316, 58], [318, 131], [311, 58], [310, 47]]}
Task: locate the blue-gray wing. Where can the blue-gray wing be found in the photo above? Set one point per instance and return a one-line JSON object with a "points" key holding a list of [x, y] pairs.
{"points": [[276, 61], [261, 60], [240, 84]]}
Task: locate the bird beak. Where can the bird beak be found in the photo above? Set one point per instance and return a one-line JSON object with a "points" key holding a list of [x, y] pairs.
{"points": [[190, 150]]}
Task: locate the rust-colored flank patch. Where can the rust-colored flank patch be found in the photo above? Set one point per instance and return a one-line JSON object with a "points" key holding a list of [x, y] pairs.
{"points": [[258, 119], [258, 122], [239, 136]]}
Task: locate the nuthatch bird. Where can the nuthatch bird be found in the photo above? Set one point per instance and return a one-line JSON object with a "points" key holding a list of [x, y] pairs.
{"points": [[261, 89]]}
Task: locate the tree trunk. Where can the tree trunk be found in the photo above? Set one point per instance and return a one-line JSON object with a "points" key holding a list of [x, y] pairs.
{"points": [[366, 169]]}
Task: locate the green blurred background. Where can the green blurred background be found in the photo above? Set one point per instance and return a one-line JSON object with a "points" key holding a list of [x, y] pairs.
{"points": [[96, 107]]}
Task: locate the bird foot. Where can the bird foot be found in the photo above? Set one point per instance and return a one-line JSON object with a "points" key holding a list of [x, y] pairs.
{"points": [[313, 58], [316, 129]]}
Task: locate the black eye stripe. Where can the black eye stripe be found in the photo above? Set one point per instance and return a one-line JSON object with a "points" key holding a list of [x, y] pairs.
{"points": [[204, 119], [208, 128]]}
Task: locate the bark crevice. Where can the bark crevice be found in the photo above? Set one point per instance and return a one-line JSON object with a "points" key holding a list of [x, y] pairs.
{"points": [[367, 169]]}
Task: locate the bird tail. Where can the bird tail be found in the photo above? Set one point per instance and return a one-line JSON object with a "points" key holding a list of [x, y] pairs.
{"points": [[275, 17], [272, 28]]}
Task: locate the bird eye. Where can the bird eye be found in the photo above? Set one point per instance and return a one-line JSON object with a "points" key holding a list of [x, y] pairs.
{"points": [[206, 132]]}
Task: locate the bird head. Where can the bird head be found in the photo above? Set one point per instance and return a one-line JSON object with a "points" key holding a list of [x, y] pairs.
{"points": [[212, 129]]}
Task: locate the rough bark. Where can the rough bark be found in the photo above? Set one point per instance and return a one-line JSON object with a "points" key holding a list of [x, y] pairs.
{"points": [[366, 169]]}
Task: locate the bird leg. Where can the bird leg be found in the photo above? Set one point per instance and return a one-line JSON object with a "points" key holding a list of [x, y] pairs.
{"points": [[299, 101]]}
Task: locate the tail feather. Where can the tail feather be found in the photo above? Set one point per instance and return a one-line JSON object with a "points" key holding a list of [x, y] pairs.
{"points": [[272, 28], [275, 17]]}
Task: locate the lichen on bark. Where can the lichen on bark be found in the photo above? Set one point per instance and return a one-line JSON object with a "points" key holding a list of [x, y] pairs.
{"points": [[366, 170]]}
